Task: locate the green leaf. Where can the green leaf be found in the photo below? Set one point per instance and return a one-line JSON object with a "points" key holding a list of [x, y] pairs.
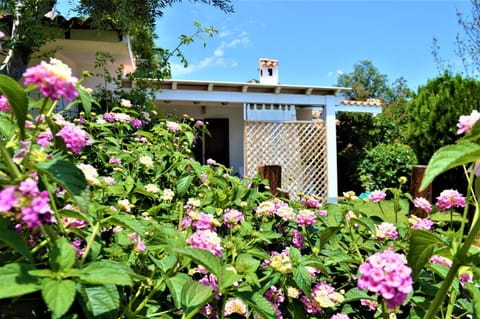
{"points": [[62, 256], [302, 278], [86, 100], [106, 272], [183, 184], [194, 296], [258, 303], [165, 264], [422, 245], [475, 295], [58, 295], [328, 233], [246, 263], [355, 294], [227, 278], [17, 98], [175, 285], [127, 221], [14, 240], [448, 157], [99, 302], [202, 257], [15, 280], [70, 177], [7, 128]]}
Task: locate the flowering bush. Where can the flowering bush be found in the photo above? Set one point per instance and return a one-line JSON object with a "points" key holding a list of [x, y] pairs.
{"points": [[109, 216]]}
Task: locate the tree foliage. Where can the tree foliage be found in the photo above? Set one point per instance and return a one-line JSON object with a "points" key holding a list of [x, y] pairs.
{"points": [[359, 132], [434, 113]]}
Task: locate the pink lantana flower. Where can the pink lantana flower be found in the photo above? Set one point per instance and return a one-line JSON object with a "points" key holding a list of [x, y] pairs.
{"points": [[377, 196], [4, 105], [54, 80], [208, 240], [386, 231], [386, 274], [422, 203], [450, 198], [466, 122], [75, 138]]}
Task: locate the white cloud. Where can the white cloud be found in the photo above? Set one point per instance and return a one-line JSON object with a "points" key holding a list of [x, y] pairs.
{"points": [[218, 52], [219, 56]]}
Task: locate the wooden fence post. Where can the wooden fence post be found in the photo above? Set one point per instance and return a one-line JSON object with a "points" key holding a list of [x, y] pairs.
{"points": [[418, 171], [273, 173]]}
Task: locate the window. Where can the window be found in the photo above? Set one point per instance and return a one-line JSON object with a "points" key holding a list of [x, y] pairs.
{"points": [[270, 72]]}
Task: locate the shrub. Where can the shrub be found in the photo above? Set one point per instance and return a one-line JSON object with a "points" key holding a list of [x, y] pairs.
{"points": [[384, 164]]}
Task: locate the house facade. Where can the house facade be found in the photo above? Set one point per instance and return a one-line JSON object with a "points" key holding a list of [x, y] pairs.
{"points": [[230, 108], [238, 113]]}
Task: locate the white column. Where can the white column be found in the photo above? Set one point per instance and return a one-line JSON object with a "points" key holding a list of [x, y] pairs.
{"points": [[332, 187]]}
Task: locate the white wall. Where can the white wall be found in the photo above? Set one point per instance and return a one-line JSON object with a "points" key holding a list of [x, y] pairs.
{"points": [[234, 115]]}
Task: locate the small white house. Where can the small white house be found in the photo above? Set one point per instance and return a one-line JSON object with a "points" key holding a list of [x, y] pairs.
{"points": [[251, 124]]}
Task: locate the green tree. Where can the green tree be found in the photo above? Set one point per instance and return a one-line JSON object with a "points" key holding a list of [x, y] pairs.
{"points": [[433, 115], [27, 30], [359, 132]]}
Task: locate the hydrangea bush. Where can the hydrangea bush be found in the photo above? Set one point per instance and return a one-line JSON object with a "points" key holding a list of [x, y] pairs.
{"points": [[109, 216]]}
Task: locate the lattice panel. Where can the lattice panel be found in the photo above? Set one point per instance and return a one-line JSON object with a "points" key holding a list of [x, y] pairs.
{"points": [[299, 147]]}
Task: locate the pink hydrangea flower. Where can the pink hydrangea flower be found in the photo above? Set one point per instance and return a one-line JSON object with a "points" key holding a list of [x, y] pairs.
{"points": [[421, 202], [466, 122], [75, 138], [211, 162], [386, 231], [232, 217], [386, 274], [53, 80], [377, 196], [339, 316], [208, 240], [450, 198], [4, 104]]}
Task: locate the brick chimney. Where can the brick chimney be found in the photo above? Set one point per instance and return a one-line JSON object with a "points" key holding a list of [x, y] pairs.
{"points": [[268, 70]]}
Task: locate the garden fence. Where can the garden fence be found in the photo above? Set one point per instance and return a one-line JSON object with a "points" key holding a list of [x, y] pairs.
{"points": [[299, 147]]}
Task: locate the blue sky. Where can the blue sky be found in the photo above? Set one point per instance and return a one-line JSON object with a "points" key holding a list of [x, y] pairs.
{"points": [[315, 40]]}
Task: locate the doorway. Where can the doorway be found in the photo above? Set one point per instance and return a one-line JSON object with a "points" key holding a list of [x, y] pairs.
{"points": [[216, 145]]}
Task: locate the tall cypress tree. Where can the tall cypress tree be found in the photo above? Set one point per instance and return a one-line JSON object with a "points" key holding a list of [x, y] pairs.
{"points": [[432, 116]]}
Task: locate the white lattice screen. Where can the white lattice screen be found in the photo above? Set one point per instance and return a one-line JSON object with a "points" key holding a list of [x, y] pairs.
{"points": [[299, 147]]}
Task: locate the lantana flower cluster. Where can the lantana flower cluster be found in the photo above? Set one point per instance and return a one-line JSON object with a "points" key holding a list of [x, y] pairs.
{"points": [[54, 80], [323, 296], [27, 204], [388, 275]]}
